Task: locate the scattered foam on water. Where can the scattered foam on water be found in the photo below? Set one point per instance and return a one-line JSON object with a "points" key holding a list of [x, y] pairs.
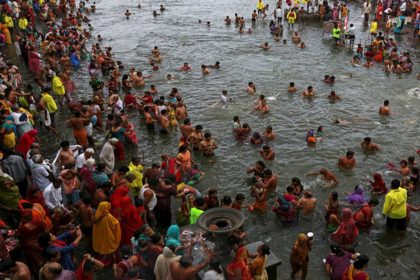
{"points": [[414, 92]]}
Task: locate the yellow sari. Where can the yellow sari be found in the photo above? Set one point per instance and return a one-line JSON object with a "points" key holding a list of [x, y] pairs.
{"points": [[258, 268], [106, 231]]}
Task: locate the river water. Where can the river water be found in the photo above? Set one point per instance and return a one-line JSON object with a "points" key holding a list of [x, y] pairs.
{"points": [[182, 39]]}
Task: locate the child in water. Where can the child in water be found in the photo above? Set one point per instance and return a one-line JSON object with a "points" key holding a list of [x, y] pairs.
{"points": [[310, 138]]}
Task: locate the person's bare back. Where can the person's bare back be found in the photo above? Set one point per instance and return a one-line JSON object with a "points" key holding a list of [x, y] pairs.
{"points": [[307, 204], [183, 270]]}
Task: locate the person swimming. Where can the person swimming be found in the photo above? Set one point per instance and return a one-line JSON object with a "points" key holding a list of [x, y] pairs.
{"points": [[265, 46], [292, 88], [127, 14]]}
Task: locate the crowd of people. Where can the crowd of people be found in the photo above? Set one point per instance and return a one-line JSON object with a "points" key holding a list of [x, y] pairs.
{"points": [[88, 214]]}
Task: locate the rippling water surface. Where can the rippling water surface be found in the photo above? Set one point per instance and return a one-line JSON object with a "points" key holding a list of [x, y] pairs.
{"points": [[182, 39]]}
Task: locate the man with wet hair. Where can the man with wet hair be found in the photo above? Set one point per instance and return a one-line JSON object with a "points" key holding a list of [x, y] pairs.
{"points": [[347, 162], [184, 270], [385, 110]]}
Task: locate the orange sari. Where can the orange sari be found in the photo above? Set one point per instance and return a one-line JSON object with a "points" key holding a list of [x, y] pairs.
{"points": [[240, 263], [81, 137], [185, 160]]}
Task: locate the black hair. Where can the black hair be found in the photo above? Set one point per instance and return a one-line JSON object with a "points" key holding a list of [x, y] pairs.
{"points": [[265, 249], [186, 261], [123, 169], [227, 200], [126, 252], [64, 144], [155, 238], [361, 261], [395, 184], [336, 250], [239, 196], [199, 201], [87, 198], [261, 163]]}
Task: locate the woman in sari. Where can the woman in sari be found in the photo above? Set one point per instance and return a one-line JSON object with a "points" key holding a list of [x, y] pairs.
{"points": [[378, 185], [299, 256], [106, 233], [130, 133], [130, 220], [8, 130], [356, 270], [331, 207], [399, 24], [184, 159], [357, 197], [116, 201], [34, 61], [258, 264], [26, 141], [9, 198], [31, 227], [172, 237], [347, 232], [238, 268], [117, 131]]}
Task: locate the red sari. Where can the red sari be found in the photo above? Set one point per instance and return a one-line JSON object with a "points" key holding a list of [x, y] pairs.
{"points": [[116, 201], [347, 231], [240, 263], [378, 184], [130, 220], [379, 12], [29, 231], [363, 217], [26, 141]]}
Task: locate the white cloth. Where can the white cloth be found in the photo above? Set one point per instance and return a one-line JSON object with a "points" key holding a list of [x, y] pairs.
{"points": [[80, 161], [52, 197], [367, 7], [153, 201], [40, 176], [279, 13], [45, 117], [163, 261], [403, 7], [107, 157], [213, 275], [89, 129], [223, 99]]}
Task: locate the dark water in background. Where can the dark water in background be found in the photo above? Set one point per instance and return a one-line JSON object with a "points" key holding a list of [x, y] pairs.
{"points": [[182, 39]]}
